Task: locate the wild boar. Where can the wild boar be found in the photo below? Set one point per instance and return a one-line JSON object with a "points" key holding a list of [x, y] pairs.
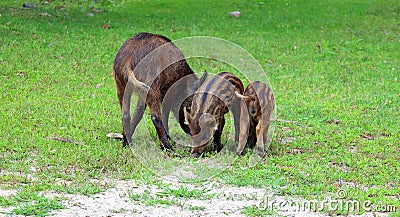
{"points": [[148, 64], [259, 103], [210, 103]]}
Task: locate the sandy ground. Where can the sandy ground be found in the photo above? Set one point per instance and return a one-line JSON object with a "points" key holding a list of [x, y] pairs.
{"points": [[115, 201]]}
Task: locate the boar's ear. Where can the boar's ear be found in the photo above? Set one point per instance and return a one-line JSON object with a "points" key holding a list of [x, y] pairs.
{"points": [[188, 116], [200, 81]]}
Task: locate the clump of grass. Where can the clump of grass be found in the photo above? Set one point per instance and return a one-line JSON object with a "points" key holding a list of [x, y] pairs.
{"points": [[149, 199], [183, 192], [31, 204], [255, 211], [168, 195]]}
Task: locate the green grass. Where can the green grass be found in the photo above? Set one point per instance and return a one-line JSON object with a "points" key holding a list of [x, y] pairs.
{"points": [[150, 200], [193, 208], [325, 60], [167, 195], [184, 192], [253, 211], [30, 203]]}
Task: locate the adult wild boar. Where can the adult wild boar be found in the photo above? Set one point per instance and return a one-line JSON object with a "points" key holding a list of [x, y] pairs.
{"points": [[148, 65]]}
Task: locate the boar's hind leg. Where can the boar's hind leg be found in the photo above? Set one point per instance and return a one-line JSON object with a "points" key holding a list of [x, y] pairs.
{"points": [[121, 84], [126, 117], [137, 115]]}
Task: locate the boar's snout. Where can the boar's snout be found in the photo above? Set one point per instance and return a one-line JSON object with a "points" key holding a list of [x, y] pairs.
{"points": [[196, 155]]}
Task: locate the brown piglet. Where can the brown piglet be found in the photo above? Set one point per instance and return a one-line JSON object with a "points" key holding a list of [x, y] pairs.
{"points": [[210, 103], [256, 111]]}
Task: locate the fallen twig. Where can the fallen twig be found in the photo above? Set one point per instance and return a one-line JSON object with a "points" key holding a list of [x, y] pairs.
{"points": [[65, 140], [115, 136], [285, 121], [368, 137]]}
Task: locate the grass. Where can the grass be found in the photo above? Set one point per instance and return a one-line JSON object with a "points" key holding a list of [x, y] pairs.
{"points": [[31, 203], [253, 211], [150, 200], [333, 67], [167, 195], [184, 192]]}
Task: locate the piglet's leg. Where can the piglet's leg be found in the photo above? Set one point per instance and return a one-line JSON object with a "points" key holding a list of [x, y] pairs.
{"points": [[244, 130], [217, 135], [260, 139]]}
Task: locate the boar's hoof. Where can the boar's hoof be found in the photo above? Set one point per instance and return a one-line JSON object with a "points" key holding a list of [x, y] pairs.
{"points": [[124, 142], [261, 151], [196, 155], [166, 147]]}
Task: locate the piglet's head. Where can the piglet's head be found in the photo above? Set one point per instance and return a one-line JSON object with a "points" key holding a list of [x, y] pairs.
{"points": [[202, 128], [251, 103]]}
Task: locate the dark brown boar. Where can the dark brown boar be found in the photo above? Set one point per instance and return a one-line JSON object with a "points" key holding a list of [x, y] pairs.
{"points": [[148, 65], [210, 103], [255, 117]]}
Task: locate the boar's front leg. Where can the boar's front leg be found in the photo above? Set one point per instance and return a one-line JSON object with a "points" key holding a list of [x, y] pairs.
{"points": [[158, 124]]}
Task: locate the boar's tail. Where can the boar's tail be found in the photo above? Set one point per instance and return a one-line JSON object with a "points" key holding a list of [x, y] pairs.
{"points": [[132, 79]]}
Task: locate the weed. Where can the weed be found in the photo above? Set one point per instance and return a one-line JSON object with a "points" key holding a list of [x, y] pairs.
{"points": [[31, 203]]}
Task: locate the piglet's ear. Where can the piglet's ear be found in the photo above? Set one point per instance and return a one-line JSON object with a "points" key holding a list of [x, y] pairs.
{"points": [[203, 78]]}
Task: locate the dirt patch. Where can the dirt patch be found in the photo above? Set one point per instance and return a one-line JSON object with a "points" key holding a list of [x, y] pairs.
{"points": [[218, 200], [116, 202]]}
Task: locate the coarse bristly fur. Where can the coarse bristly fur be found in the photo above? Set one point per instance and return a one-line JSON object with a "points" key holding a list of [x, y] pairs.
{"points": [[148, 65], [210, 103], [255, 116]]}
